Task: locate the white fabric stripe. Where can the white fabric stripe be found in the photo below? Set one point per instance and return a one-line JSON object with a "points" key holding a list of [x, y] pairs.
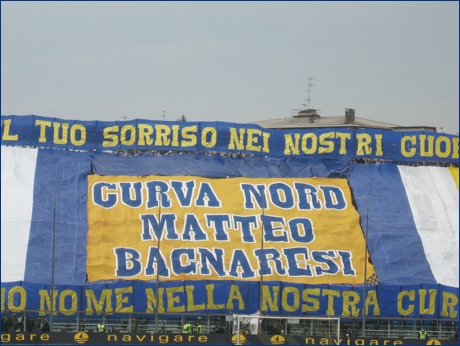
{"points": [[18, 175], [433, 198]]}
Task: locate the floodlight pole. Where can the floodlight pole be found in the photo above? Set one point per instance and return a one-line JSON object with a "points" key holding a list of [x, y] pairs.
{"points": [[262, 255], [365, 268], [53, 242], [157, 302]]}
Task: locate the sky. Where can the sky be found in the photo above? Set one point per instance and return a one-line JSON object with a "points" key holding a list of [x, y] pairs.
{"points": [[240, 62]]}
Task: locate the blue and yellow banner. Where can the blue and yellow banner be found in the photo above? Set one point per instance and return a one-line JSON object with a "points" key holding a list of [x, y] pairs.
{"points": [[224, 297], [294, 230], [286, 235], [330, 143]]}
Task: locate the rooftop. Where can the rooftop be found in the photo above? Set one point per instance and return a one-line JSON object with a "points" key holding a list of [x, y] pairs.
{"points": [[304, 119], [305, 122]]}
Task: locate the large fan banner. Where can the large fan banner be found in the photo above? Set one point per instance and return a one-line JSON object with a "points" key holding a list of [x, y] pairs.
{"points": [[326, 143], [190, 228], [286, 235]]}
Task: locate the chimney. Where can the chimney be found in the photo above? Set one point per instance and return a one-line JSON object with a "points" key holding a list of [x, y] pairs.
{"points": [[349, 115]]}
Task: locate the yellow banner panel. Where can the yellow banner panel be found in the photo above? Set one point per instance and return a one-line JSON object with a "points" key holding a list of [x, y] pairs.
{"points": [[192, 228]]}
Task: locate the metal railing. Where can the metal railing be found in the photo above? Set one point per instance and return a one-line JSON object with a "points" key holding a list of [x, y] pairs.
{"points": [[147, 323]]}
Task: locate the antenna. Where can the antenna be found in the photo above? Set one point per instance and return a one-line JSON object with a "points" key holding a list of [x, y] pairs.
{"points": [[308, 104]]}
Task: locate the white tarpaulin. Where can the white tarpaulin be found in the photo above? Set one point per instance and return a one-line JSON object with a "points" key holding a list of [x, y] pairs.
{"points": [[18, 173], [433, 198]]}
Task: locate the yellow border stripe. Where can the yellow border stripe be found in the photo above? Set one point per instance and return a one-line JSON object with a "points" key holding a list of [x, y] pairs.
{"points": [[454, 172]]}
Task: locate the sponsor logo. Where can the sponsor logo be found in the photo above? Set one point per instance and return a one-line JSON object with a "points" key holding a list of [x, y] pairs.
{"points": [[81, 338], [277, 340], [242, 339]]}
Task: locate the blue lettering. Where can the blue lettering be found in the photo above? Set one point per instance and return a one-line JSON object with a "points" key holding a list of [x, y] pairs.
{"points": [[270, 229], [333, 197], [152, 263], [155, 189], [325, 257], [246, 229], [292, 261], [347, 266], [126, 199], [110, 199], [308, 196], [191, 225], [216, 222], [215, 260], [307, 229], [250, 194], [240, 261], [150, 226], [273, 255], [125, 256], [207, 197], [185, 199], [176, 262], [283, 200]]}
